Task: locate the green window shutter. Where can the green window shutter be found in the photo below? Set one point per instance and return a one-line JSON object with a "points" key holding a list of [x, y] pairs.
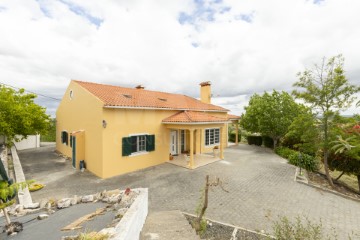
{"points": [[133, 141], [66, 138], [150, 143], [126, 146]]}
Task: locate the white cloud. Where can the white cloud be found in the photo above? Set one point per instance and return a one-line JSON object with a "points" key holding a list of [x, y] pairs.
{"points": [[44, 44]]}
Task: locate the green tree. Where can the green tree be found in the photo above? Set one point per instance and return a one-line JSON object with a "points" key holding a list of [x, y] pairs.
{"points": [[326, 89], [303, 133], [20, 116], [270, 114], [345, 150]]}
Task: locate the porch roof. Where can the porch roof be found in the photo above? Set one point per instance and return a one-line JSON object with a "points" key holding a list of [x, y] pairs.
{"points": [[191, 117], [233, 117]]}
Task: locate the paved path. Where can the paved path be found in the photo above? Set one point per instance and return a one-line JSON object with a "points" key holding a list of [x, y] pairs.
{"points": [[261, 187], [168, 225]]}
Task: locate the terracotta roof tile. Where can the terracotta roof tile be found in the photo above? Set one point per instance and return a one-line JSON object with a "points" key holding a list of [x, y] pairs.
{"points": [[233, 117], [140, 98], [192, 117]]}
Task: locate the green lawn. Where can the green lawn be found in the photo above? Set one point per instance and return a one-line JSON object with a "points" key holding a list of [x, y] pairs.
{"points": [[349, 180]]}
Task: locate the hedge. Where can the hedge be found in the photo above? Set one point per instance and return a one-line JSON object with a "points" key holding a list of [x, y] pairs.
{"points": [[232, 137], [268, 142], [254, 140], [299, 159]]}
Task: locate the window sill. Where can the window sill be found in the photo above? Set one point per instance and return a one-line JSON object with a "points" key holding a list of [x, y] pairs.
{"points": [[138, 154], [213, 145]]}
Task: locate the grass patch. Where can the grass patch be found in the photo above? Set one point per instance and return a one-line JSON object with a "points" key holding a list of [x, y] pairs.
{"points": [[348, 179]]}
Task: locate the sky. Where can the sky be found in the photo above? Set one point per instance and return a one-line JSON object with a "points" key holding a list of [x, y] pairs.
{"points": [[242, 46]]}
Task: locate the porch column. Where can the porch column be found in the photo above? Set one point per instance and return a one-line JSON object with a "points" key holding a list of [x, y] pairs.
{"points": [[237, 133], [191, 131], [221, 143], [197, 141]]}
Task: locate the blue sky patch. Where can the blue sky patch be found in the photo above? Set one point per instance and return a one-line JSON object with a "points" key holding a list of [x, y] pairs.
{"points": [[318, 1], [245, 17], [205, 10], [78, 10], [195, 45], [44, 9], [2, 9]]}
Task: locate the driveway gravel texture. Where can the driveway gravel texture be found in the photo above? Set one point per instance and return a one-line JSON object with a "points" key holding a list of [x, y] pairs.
{"points": [[261, 189]]}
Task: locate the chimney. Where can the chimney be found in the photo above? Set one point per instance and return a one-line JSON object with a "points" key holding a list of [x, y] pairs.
{"points": [[140, 87], [205, 92]]}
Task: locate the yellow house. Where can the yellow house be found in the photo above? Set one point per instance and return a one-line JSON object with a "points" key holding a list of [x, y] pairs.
{"points": [[116, 130]]}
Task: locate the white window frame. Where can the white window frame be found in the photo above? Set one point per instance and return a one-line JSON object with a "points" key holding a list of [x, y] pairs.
{"points": [[140, 143], [213, 139]]}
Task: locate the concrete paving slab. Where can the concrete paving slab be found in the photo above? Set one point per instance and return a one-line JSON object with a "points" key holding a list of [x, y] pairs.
{"points": [[261, 187]]}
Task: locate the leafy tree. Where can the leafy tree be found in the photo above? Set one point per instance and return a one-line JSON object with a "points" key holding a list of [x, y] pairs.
{"points": [[345, 154], [270, 114], [19, 115], [326, 89], [303, 132]]}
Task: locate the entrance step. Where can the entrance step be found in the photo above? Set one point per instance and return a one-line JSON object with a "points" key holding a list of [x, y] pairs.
{"points": [[167, 225]]}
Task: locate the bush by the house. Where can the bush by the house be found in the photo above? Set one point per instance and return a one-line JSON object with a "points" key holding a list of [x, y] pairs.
{"points": [[284, 152], [232, 137], [268, 142], [304, 161], [299, 159], [254, 140]]}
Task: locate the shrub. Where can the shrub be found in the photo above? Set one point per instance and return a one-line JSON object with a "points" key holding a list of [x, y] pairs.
{"points": [[256, 140], [298, 229], [304, 161], [268, 142], [232, 137], [284, 152]]}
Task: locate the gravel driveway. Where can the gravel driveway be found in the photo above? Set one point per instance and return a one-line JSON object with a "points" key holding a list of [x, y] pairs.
{"points": [[261, 187]]}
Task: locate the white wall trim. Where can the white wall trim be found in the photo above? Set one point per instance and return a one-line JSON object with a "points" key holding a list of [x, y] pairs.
{"points": [[131, 224], [168, 109]]}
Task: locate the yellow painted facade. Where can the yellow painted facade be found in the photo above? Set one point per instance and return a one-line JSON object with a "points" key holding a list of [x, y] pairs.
{"points": [[104, 128]]}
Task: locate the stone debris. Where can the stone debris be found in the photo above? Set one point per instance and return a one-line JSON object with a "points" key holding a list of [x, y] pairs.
{"points": [[64, 203], [75, 200], [87, 199], [32, 206], [42, 216], [108, 231]]}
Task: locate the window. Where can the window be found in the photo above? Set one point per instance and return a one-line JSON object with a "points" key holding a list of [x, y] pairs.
{"points": [[182, 140], [65, 137], [212, 136], [138, 144]]}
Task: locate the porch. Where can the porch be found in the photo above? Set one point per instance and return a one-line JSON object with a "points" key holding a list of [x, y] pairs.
{"points": [[183, 160]]}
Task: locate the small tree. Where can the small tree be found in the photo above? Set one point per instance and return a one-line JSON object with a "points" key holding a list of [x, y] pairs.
{"points": [[19, 115], [326, 89], [270, 114], [345, 151], [303, 133]]}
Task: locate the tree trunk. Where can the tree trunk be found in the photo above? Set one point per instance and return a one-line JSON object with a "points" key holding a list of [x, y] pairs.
{"points": [[6, 215], [326, 152], [339, 176], [358, 177], [197, 221], [275, 140]]}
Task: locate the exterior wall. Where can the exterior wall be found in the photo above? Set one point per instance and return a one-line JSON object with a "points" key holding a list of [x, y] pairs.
{"points": [[82, 112], [123, 122], [103, 145], [32, 141]]}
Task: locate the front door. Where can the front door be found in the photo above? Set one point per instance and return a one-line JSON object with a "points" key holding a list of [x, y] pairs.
{"points": [[73, 151], [173, 143]]}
